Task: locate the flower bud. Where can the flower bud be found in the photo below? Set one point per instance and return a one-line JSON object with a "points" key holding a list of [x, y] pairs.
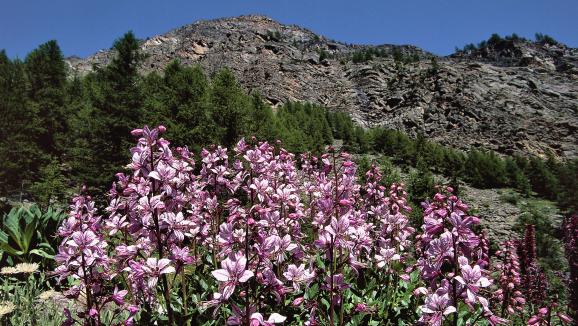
{"points": [[298, 301]]}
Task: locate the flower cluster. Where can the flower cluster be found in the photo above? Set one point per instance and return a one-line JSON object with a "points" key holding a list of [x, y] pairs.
{"points": [[255, 235], [154, 212], [571, 248], [547, 316], [534, 282], [389, 220], [22, 268], [452, 261], [83, 256], [509, 293]]}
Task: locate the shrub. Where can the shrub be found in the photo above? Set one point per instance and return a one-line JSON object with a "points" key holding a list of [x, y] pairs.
{"points": [[545, 39], [26, 234]]}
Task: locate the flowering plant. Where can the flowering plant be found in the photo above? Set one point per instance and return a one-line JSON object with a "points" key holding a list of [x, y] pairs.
{"points": [[259, 236]]}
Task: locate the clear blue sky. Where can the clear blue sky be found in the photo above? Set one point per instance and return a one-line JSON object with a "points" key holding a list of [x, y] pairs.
{"points": [[83, 27]]}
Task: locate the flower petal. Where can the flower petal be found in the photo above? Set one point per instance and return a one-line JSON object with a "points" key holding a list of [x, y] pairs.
{"points": [[221, 275], [246, 276], [449, 310], [276, 318]]}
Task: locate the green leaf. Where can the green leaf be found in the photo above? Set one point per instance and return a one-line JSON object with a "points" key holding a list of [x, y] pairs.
{"points": [[12, 227], [3, 237], [312, 291], [28, 234], [325, 303], [41, 253], [11, 251]]}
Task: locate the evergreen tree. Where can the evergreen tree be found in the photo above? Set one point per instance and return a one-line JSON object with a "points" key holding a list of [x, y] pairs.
{"points": [[46, 75], [485, 169], [20, 155], [113, 109], [262, 124], [421, 183], [516, 177], [179, 100], [229, 108], [543, 181], [568, 184]]}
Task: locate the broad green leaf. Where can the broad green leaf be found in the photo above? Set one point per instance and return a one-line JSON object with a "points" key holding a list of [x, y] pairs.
{"points": [[41, 253], [11, 251], [3, 237], [12, 227]]}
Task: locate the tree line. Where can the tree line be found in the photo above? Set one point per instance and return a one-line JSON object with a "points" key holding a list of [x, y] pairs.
{"points": [[497, 41], [58, 131], [549, 178]]}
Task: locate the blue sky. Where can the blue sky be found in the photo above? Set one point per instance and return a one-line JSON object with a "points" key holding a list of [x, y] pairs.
{"points": [[435, 25]]}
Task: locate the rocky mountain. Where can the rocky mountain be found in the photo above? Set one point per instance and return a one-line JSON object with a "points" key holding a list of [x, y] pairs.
{"points": [[515, 97]]}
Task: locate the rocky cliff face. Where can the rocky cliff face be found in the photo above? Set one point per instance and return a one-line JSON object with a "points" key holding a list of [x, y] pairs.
{"points": [[518, 98]]}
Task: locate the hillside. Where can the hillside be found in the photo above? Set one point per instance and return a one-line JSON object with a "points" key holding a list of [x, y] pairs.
{"points": [[519, 98]]}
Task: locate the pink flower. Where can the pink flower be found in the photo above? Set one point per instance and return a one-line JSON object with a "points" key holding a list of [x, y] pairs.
{"points": [[436, 306], [298, 275], [232, 273], [258, 320], [156, 267], [471, 278], [386, 256], [118, 296]]}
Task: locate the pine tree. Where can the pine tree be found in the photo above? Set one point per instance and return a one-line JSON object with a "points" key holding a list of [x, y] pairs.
{"points": [[179, 100], [421, 183], [46, 75], [113, 109], [262, 124], [229, 108], [20, 155]]}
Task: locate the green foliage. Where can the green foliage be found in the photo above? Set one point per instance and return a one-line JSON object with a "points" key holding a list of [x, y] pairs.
{"points": [[552, 179], [362, 56], [495, 41], [228, 108], [545, 39], [323, 55], [510, 197], [391, 298], [389, 171], [34, 305], [567, 175], [46, 74], [435, 67], [306, 127], [421, 183], [26, 233], [273, 35], [20, 153], [549, 248], [51, 186], [516, 177], [368, 54], [111, 108], [542, 178], [179, 100], [485, 169]]}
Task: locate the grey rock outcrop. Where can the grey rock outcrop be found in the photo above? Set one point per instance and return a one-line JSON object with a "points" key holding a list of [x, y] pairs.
{"points": [[520, 100]]}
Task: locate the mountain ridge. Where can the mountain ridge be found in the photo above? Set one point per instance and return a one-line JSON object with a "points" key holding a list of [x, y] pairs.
{"points": [[519, 98]]}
